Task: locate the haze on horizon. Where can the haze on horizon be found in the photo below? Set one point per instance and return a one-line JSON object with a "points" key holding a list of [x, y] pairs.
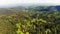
{"points": [[9, 3]]}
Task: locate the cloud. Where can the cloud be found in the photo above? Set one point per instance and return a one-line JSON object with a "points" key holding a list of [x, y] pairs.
{"points": [[8, 2]]}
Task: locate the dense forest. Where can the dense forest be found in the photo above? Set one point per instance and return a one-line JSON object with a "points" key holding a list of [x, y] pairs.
{"points": [[19, 21]]}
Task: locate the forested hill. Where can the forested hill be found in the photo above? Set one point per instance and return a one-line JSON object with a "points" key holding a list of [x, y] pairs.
{"points": [[44, 8], [29, 8]]}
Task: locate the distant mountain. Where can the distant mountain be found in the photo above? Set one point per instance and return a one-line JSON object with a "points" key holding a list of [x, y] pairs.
{"points": [[29, 8], [57, 7], [44, 8]]}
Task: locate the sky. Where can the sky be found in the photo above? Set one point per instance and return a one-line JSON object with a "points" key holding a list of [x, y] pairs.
{"points": [[18, 2]]}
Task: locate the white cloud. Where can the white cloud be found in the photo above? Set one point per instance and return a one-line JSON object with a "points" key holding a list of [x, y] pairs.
{"points": [[7, 2]]}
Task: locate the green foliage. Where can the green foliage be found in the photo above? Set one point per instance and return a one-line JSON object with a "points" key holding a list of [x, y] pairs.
{"points": [[31, 23]]}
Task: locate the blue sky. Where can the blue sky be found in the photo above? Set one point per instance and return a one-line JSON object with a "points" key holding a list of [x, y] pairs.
{"points": [[17, 2]]}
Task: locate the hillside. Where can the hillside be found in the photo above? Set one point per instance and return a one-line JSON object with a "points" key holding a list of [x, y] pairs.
{"points": [[30, 20]]}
